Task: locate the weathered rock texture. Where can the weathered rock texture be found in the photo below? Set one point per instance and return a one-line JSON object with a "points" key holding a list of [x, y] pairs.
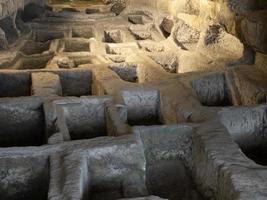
{"points": [[254, 30], [133, 99]]}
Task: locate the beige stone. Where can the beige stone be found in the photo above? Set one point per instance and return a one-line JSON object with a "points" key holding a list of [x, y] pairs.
{"points": [[216, 43]]}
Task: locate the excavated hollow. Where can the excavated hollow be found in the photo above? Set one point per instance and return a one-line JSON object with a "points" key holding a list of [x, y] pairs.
{"points": [[109, 100]]}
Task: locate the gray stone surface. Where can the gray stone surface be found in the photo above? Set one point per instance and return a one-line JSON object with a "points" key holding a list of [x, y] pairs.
{"points": [[246, 125], [84, 118], [24, 178], [99, 74], [22, 122], [218, 161], [212, 90], [167, 150], [142, 106]]}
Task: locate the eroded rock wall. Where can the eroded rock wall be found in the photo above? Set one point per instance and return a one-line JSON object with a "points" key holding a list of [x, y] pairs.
{"points": [[10, 22], [9, 7]]}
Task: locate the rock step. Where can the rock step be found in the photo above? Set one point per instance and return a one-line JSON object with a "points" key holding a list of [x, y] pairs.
{"points": [[46, 84]]}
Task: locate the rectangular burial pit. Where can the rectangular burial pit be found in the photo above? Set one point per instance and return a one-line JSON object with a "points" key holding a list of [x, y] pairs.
{"points": [[76, 45], [117, 171], [126, 71], [48, 35], [83, 32], [15, 84], [167, 150], [108, 168], [82, 58], [35, 61], [143, 106], [82, 118], [31, 47], [24, 178], [21, 122], [75, 82], [31, 61], [212, 90], [247, 126]]}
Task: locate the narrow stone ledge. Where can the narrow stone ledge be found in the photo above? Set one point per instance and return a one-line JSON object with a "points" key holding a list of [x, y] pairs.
{"points": [[46, 84]]}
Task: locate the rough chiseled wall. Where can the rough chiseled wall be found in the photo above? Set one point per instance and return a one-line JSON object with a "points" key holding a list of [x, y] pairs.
{"points": [[8, 14], [237, 16], [228, 12], [9, 7], [225, 11]]}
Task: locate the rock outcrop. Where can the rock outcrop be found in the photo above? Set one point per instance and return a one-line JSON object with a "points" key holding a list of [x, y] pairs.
{"points": [[10, 20]]}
